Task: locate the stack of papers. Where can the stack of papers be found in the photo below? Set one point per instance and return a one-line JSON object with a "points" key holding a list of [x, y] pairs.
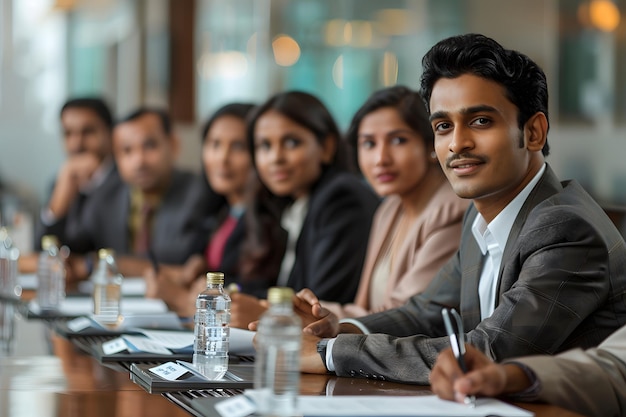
{"points": [[82, 306], [131, 286], [165, 342], [131, 323]]}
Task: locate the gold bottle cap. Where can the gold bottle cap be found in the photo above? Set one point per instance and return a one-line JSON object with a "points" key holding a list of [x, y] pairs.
{"points": [[215, 278], [276, 295], [105, 252], [47, 241]]}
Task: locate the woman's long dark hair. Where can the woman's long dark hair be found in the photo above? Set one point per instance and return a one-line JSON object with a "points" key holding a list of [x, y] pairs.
{"points": [[264, 246]]}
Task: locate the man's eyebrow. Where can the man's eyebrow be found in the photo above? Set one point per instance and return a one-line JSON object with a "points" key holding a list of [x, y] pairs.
{"points": [[482, 108], [438, 115]]}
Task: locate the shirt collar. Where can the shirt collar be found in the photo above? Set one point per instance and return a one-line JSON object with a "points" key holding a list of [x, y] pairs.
{"points": [[501, 225]]}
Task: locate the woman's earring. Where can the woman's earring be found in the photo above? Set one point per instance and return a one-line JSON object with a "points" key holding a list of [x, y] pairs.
{"points": [[433, 156]]}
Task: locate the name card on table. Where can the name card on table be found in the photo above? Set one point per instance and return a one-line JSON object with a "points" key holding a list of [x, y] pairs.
{"points": [[170, 371], [116, 345]]}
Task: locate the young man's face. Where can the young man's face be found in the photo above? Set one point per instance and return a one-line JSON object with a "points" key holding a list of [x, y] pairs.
{"points": [[144, 153], [478, 141], [85, 132]]}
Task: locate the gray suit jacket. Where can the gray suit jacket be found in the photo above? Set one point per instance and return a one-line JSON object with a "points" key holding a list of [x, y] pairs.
{"points": [[180, 226], [591, 382], [562, 284]]}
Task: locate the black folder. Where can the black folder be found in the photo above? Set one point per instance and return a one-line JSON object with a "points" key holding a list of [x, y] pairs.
{"points": [[239, 376]]}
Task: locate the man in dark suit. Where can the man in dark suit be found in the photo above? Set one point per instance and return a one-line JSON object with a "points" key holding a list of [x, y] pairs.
{"points": [[540, 267], [87, 128], [156, 209]]}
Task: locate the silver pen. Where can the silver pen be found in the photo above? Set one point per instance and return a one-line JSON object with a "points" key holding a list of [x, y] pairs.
{"points": [[457, 342]]}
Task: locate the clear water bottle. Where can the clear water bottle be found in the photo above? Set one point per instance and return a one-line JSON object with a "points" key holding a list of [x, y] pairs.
{"points": [[277, 363], [9, 256], [8, 288], [107, 289], [50, 275], [211, 329]]}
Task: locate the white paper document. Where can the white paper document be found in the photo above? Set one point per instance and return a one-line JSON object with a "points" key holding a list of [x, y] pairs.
{"points": [[27, 281], [419, 405], [169, 339], [80, 306], [240, 340], [144, 344], [131, 286]]}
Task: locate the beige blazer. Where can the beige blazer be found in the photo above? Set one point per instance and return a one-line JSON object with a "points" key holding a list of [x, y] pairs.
{"points": [[591, 382], [432, 239]]}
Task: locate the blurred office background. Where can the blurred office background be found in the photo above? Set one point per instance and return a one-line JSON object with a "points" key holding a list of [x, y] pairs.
{"points": [[194, 55]]}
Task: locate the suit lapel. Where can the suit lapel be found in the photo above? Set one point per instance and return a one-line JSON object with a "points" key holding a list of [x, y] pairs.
{"points": [[471, 263], [470, 305], [548, 185]]}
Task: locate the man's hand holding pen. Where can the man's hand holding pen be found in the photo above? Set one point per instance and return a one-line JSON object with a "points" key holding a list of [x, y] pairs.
{"points": [[483, 377], [456, 333]]}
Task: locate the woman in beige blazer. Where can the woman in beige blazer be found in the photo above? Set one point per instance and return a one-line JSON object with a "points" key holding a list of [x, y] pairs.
{"points": [[418, 225]]}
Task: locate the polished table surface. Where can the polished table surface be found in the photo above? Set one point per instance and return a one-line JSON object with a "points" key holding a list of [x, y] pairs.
{"points": [[47, 376]]}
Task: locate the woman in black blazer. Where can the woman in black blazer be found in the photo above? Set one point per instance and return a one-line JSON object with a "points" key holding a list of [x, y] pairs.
{"points": [[308, 219]]}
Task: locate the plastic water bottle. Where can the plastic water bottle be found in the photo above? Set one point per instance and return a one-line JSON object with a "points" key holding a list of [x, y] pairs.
{"points": [[50, 275], [8, 288], [277, 363], [9, 256], [107, 289], [211, 329]]}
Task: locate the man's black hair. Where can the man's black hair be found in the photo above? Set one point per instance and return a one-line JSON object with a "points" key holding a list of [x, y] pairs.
{"points": [[524, 81]]}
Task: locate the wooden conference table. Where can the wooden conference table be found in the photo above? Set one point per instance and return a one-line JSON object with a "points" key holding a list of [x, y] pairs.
{"points": [[47, 376]]}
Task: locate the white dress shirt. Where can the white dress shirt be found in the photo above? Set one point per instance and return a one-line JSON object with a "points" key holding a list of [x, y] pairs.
{"points": [[492, 239], [292, 221]]}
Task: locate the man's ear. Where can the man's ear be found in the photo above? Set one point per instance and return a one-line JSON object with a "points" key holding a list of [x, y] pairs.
{"points": [[536, 132]]}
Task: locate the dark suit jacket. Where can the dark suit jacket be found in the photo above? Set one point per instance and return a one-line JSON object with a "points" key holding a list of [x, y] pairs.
{"points": [[179, 227], [562, 284], [333, 240], [66, 227]]}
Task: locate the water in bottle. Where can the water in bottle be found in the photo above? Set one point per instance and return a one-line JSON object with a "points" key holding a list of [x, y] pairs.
{"points": [[8, 288], [277, 363], [9, 256], [50, 275], [107, 289], [211, 329]]}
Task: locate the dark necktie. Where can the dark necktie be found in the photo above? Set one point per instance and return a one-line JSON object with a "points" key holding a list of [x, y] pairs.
{"points": [[142, 240]]}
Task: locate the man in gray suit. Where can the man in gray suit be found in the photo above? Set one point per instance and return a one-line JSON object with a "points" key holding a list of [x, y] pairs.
{"points": [[591, 382], [540, 267], [155, 209]]}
